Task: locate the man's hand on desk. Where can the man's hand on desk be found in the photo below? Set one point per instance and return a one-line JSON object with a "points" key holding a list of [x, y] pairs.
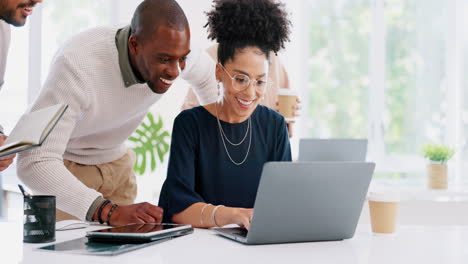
{"points": [[6, 161], [135, 213]]}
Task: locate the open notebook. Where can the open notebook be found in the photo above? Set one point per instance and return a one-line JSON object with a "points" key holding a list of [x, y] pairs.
{"points": [[32, 129]]}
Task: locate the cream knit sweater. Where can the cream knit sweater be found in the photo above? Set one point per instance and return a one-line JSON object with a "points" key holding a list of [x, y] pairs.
{"points": [[102, 114]]}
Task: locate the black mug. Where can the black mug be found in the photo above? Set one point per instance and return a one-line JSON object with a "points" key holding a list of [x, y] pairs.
{"points": [[39, 219]]}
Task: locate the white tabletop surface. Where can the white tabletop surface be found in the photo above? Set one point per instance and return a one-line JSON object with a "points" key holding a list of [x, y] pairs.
{"points": [[412, 244]]}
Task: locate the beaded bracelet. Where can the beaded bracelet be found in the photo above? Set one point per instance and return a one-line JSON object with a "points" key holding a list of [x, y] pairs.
{"points": [[104, 204], [110, 213], [201, 213], [213, 220]]}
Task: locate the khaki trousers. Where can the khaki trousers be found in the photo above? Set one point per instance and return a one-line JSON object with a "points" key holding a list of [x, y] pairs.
{"points": [[115, 180]]}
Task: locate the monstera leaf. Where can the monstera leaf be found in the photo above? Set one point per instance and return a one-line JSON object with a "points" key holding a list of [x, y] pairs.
{"points": [[149, 139]]}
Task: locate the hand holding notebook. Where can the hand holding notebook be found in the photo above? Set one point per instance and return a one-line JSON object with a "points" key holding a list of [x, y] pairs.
{"points": [[32, 129], [5, 162]]}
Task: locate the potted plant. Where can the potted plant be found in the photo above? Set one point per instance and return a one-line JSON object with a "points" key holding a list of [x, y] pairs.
{"points": [[438, 155]]}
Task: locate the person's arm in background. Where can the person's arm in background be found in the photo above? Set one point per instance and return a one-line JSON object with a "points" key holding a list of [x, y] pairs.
{"points": [[282, 80], [199, 72], [43, 169], [191, 99]]}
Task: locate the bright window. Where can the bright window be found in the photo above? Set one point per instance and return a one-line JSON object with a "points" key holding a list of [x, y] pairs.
{"points": [[416, 86], [390, 71], [338, 68], [64, 19]]}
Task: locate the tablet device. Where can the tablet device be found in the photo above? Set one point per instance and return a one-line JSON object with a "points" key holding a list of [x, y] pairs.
{"points": [[139, 233], [83, 246]]}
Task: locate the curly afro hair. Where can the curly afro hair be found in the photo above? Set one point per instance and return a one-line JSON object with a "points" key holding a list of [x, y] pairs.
{"points": [[236, 24]]}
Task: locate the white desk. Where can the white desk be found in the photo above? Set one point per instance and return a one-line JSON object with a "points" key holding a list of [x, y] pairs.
{"points": [[413, 244]]}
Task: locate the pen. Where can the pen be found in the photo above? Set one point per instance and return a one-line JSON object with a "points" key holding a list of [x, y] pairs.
{"points": [[34, 208], [25, 194]]}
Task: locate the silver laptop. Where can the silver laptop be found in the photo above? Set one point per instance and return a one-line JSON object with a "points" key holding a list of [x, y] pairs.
{"points": [[332, 149], [306, 201]]}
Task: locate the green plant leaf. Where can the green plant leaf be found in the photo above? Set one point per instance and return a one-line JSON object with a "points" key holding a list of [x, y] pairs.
{"points": [[437, 153], [162, 146], [147, 139]]}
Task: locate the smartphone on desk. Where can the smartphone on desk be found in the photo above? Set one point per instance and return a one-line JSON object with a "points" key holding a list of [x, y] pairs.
{"points": [[139, 233]]}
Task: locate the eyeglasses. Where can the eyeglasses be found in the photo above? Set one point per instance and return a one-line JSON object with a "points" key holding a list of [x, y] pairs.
{"points": [[240, 81]]}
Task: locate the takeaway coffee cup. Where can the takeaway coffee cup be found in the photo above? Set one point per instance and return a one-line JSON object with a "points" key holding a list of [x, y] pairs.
{"points": [[383, 208], [287, 99]]}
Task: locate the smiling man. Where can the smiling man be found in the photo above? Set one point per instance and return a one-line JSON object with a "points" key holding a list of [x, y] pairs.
{"points": [[15, 12], [12, 12], [110, 77]]}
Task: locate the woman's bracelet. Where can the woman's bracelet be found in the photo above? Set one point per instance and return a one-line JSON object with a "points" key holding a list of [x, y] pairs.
{"points": [[201, 213], [110, 214], [213, 220]]}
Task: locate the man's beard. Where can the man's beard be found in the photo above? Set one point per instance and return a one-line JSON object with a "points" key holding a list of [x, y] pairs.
{"points": [[10, 19]]}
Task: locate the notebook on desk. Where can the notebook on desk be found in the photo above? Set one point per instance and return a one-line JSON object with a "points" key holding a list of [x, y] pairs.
{"points": [[306, 201]]}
